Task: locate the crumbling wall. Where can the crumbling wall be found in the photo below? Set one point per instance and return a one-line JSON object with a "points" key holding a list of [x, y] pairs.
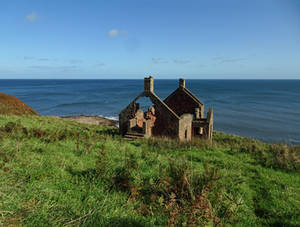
{"points": [[147, 128], [127, 114], [166, 122], [206, 124], [185, 127]]}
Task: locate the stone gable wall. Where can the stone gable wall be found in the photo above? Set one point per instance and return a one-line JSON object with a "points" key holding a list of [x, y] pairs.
{"points": [[166, 123], [182, 103]]}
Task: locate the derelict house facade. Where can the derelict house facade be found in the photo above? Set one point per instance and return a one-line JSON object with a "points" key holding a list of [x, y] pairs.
{"points": [[180, 115]]}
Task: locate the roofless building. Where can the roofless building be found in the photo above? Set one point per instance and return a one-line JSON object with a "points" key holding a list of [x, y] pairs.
{"points": [[180, 115]]}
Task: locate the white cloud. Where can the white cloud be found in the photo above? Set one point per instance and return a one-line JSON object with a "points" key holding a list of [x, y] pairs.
{"points": [[232, 60], [75, 61], [44, 59], [31, 17], [64, 68], [28, 58], [217, 58], [181, 62], [115, 32], [157, 60], [100, 64], [221, 60]]}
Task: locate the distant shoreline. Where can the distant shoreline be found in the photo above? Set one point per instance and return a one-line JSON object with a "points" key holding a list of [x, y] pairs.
{"points": [[91, 120]]}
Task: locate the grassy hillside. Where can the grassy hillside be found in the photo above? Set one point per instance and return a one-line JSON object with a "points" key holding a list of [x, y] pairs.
{"points": [[13, 105], [55, 172]]}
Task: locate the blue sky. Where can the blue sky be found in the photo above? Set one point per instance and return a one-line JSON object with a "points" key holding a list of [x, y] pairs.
{"points": [[201, 39]]}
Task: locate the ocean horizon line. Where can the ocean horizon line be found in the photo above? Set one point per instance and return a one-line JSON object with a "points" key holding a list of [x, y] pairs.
{"points": [[154, 78]]}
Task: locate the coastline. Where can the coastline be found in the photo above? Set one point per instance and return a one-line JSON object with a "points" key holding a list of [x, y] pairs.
{"points": [[105, 121], [91, 120], [247, 108]]}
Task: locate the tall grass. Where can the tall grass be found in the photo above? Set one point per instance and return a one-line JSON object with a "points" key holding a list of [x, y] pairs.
{"points": [[61, 173]]}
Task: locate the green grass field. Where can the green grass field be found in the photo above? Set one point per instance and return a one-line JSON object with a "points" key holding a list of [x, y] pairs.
{"points": [[60, 173]]}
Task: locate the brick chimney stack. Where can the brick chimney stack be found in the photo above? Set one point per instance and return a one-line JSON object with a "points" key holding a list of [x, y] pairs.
{"points": [[148, 84], [181, 83]]}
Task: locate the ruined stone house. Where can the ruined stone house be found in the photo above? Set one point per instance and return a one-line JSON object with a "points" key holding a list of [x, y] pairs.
{"points": [[180, 115]]}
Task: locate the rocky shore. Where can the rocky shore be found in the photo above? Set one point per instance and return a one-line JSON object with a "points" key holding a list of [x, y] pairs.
{"points": [[92, 120]]}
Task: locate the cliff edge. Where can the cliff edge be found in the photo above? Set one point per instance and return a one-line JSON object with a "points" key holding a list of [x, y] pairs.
{"points": [[10, 105]]}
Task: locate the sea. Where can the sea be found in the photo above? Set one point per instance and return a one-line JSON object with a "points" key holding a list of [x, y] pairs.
{"points": [[268, 110]]}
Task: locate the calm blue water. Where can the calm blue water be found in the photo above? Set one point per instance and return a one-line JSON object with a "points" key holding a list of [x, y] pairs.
{"points": [[265, 109]]}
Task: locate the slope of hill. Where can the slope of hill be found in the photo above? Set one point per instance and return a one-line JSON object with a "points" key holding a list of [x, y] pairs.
{"points": [[13, 105], [55, 172]]}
